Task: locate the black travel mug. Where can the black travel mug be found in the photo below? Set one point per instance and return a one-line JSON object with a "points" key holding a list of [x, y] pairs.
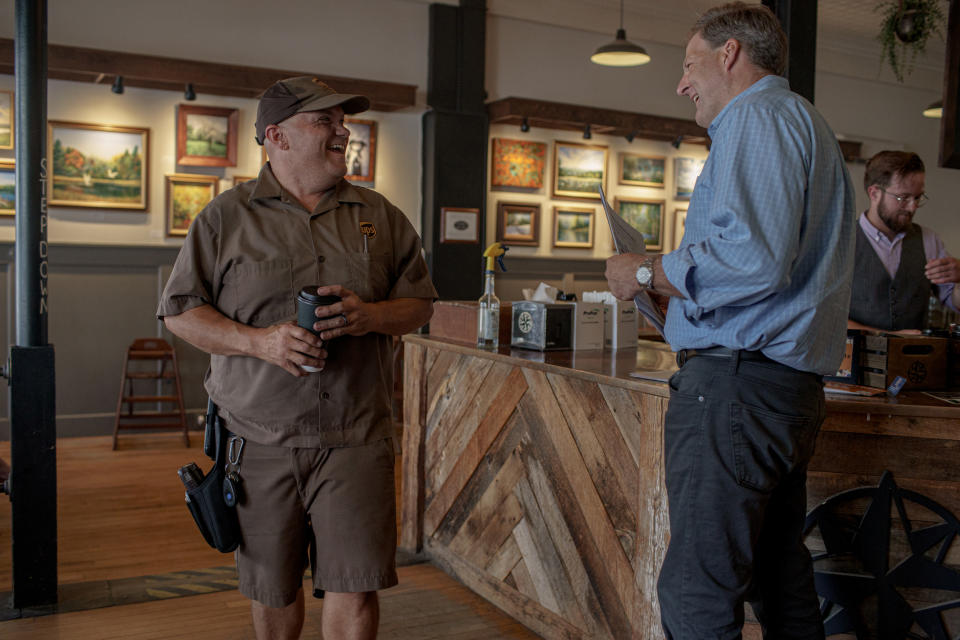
{"points": [[307, 303]]}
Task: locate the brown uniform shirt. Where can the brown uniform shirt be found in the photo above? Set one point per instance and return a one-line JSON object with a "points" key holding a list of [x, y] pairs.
{"points": [[248, 254]]}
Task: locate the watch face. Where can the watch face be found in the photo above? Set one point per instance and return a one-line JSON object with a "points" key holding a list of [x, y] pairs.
{"points": [[644, 275]]}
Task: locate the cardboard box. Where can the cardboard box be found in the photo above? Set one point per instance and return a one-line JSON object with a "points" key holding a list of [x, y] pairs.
{"points": [[542, 326], [587, 325], [920, 360], [457, 320], [853, 358], [620, 325]]}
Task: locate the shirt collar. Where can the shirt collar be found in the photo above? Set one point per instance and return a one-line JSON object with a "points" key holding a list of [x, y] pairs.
{"points": [[766, 82], [872, 232], [269, 187]]}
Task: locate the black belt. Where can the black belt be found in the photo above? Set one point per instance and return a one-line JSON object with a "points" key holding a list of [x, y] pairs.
{"points": [[720, 352]]}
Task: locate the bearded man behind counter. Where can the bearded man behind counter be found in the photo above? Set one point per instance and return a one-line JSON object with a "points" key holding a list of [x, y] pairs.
{"points": [[316, 468]]}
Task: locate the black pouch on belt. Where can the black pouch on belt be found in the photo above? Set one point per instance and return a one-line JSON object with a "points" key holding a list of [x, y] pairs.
{"points": [[216, 518]]}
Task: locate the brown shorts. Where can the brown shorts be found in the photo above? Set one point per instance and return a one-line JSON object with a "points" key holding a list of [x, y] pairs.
{"points": [[335, 507]]}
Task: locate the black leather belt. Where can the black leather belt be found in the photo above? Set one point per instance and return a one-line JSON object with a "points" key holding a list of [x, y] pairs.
{"points": [[720, 352]]}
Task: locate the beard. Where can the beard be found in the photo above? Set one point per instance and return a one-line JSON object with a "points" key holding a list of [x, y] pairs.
{"points": [[896, 219]]}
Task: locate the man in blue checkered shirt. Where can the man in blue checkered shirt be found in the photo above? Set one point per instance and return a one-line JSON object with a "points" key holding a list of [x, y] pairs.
{"points": [[759, 291]]}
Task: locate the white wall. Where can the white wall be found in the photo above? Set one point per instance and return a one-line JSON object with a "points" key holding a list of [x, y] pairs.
{"points": [[531, 60]]}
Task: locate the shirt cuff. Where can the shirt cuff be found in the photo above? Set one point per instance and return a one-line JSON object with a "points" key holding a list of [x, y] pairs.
{"points": [[676, 266]]}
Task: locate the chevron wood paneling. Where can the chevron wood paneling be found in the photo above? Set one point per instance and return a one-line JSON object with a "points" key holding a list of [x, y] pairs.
{"points": [[531, 490]]}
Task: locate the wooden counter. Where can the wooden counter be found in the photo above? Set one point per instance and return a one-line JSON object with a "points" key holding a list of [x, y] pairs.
{"points": [[536, 478]]}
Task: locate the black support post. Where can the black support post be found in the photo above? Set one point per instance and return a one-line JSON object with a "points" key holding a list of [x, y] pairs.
{"points": [[33, 480], [455, 144], [799, 20]]}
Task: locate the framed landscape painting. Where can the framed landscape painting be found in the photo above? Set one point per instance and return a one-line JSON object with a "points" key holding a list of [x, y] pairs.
{"points": [[578, 170], [361, 149], [206, 136], [686, 172], [679, 225], [646, 216], [573, 227], [518, 224], [642, 171], [8, 192], [517, 163], [6, 120], [187, 195], [95, 165]]}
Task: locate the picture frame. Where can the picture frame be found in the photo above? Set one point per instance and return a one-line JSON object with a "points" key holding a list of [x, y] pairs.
{"points": [[361, 152], [573, 227], [8, 190], [685, 172], [97, 165], [459, 225], [187, 195], [206, 136], [578, 169], [241, 179], [517, 163], [518, 224], [638, 170], [7, 121], [679, 225], [646, 216]]}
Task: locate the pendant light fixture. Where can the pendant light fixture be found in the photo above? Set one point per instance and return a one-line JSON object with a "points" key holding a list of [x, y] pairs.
{"points": [[621, 52], [935, 110]]}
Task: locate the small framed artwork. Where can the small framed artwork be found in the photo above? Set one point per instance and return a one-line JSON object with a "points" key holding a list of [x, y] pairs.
{"points": [[679, 224], [642, 171], [578, 170], [8, 191], [686, 172], [646, 216], [517, 163], [241, 179], [206, 136], [6, 120], [459, 225], [573, 227], [518, 224], [361, 149], [95, 165], [187, 195]]}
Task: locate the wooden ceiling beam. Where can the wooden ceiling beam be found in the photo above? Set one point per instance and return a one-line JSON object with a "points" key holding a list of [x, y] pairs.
{"points": [[79, 64], [558, 115]]}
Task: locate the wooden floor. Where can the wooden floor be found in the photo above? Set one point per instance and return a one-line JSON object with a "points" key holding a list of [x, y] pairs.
{"points": [[121, 515]]}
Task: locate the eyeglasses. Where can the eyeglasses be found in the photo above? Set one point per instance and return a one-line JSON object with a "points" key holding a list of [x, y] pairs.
{"points": [[919, 200]]}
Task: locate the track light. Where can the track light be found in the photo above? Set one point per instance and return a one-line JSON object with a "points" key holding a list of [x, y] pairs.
{"points": [[630, 136], [676, 143], [117, 85], [586, 133], [524, 126], [189, 93]]}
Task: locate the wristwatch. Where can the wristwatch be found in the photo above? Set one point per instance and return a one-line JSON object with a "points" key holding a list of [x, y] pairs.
{"points": [[645, 273]]}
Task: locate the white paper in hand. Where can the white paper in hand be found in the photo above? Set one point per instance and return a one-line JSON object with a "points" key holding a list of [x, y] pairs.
{"points": [[628, 240]]}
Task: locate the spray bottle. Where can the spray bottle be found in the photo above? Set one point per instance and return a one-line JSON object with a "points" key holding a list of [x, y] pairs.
{"points": [[488, 315]]}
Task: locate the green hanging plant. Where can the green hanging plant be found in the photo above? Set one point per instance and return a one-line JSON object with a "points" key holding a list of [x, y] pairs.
{"points": [[907, 25]]}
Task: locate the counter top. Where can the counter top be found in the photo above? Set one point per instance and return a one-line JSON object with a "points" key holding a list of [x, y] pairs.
{"points": [[657, 356]]}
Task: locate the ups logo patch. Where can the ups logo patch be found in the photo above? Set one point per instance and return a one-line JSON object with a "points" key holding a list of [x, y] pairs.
{"points": [[367, 229]]}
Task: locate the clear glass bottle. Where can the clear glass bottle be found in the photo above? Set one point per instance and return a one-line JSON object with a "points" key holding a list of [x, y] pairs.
{"points": [[488, 316]]}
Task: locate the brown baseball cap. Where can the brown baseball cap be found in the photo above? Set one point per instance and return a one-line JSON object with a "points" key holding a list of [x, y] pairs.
{"points": [[304, 93]]}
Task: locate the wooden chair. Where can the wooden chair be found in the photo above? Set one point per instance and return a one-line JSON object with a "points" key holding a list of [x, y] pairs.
{"points": [[162, 365]]}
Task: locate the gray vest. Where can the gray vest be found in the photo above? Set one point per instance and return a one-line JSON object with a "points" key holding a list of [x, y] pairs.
{"points": [[889, 303]]}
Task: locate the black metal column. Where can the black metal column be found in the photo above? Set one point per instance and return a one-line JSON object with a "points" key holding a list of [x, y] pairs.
{"points": [[799, 20], [33, 488], [455, 143]]}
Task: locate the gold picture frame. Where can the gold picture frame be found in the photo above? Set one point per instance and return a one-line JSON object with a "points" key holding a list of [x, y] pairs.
{"points": [[573, 227], [8, 187], [7, 120], [579, 169], [187, 195], [97, 165]]}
